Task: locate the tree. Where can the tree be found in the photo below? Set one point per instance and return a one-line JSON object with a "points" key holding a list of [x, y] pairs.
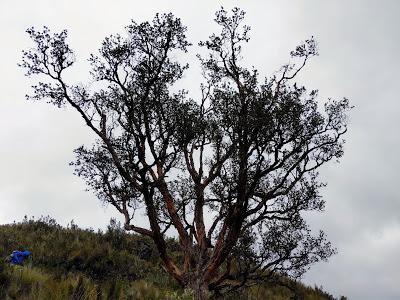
{"points": [[231, 173]]}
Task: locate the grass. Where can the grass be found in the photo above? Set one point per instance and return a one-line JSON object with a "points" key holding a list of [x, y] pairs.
{"points": [[77, 264]]}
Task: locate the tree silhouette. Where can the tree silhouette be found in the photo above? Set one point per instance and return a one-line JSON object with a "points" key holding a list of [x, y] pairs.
{"points": [[230, 173]]}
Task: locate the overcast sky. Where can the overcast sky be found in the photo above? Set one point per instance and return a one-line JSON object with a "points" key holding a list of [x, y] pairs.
{"points": [[359, 45]]}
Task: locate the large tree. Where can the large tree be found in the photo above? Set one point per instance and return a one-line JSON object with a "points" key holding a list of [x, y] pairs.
{"points": [[230, 174]]}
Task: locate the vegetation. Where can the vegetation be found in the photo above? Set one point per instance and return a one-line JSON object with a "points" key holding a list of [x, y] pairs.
{"points": [[247, 152], [72, 263]]}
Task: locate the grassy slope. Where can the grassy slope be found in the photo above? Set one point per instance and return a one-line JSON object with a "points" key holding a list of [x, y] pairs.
{"points": [[71, 263]]}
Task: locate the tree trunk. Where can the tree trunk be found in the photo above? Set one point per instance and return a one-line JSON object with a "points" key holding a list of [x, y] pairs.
{"points": [[201, 291]]}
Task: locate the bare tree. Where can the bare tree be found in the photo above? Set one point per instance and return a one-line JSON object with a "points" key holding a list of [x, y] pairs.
{"points": [[245, 155]]}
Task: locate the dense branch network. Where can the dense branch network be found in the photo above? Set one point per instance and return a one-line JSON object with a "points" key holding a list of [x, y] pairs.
{"points": [[245, 154]]}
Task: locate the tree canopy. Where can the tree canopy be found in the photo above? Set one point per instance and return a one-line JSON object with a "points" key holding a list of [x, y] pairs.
{"points": [[231, 173]]}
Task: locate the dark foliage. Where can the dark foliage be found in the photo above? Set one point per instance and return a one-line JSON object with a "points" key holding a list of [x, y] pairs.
{"points": [[247, 152]]}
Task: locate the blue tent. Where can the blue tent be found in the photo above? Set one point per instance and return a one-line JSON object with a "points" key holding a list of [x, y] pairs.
{"points": [[18, 257]]}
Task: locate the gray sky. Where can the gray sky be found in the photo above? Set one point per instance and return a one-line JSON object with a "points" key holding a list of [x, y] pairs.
{"points": [[359, 43]]}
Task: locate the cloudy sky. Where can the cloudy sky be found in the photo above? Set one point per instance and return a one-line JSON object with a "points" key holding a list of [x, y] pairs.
{"points": [[359, 43]]}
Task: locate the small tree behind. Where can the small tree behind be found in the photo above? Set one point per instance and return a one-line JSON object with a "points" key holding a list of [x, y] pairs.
{"points": [[245, 155]]}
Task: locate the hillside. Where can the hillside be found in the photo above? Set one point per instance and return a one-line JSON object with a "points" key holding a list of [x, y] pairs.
{"points": [[73, 263]]}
